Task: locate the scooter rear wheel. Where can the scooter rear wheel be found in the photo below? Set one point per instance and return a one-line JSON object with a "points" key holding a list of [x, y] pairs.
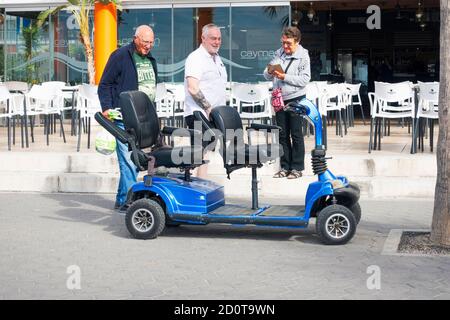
{"points": [[145, 219], [335, 225]]}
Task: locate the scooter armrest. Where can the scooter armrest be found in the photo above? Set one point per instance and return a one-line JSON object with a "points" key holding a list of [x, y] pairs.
{"points": [[259, 126], [117, 132], [179, 132]]}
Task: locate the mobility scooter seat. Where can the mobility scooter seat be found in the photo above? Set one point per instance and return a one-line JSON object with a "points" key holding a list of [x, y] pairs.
{"points": [[235, 152], [142, 131]]}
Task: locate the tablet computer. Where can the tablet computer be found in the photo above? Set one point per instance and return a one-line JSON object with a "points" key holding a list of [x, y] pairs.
{"points": [[274, 67]]}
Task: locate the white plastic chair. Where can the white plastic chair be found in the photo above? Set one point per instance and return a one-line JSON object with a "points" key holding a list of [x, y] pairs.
{"points": [[43, 101], [312, 92], [17, 86], [322, 95], [177, 90], [355, 93], [59, 100], [389, 101], [8, 104], [334, 98], [164, 101], [428, 100], [427, 108], [18, 89], [88, 104], [252, 101]]}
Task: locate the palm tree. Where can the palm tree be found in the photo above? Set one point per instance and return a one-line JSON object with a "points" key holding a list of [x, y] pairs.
{"points": [[81, 9], [30, 36], [272, 13]]}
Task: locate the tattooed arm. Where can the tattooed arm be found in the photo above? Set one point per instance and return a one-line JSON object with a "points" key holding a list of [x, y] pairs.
{"points": [[197, 94]]}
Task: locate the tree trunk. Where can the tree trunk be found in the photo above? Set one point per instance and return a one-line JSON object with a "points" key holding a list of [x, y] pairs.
{"points": [[440, 228], [90, 57]]}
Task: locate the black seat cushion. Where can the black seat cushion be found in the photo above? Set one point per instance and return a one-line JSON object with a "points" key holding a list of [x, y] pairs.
{"points": [[177, 157], [251, 154], [185, 156]]}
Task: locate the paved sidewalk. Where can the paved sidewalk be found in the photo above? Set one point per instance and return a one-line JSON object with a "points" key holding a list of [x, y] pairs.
{"points": [[42, 236]]}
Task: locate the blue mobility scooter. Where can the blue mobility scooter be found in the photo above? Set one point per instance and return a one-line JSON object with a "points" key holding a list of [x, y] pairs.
{"points": [[171, 199]]}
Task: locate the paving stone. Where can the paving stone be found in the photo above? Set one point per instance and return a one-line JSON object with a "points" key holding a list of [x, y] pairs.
{"points": [[204, 262]]}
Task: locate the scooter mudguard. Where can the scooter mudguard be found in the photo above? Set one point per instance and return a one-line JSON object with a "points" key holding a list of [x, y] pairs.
{"points": [[316, 190], [194, 197]]}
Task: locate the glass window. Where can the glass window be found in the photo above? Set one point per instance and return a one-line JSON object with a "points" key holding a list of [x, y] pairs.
{"points": [[2, 42], [184, 39], [27, 48], [256, 33], [188, 23], [314, 39], [161, 22], [69, 58]]}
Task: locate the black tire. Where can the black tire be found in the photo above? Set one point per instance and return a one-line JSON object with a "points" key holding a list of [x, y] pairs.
{"points": [[356, 210], [145, 219], [335, 225]]}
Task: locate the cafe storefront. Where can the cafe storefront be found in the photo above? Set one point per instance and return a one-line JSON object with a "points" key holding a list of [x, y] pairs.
{"points": [[343, 45]]}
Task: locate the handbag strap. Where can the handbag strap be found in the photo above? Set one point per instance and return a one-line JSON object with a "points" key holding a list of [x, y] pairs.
{"points": [[289, 64]]}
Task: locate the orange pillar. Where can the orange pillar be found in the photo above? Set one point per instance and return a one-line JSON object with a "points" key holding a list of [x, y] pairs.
{"points": [[105, 36]]}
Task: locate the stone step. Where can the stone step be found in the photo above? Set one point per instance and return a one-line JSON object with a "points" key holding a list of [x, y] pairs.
{"points": [[360, 165], [379, 176], [238, 186]]}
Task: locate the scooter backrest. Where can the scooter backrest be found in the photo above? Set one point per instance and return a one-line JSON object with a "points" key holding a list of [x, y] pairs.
{"points": [[225, 118], [140, 118]]}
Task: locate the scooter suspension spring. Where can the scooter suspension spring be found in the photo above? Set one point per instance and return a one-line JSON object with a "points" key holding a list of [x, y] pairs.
{"points": [[319, 164]]}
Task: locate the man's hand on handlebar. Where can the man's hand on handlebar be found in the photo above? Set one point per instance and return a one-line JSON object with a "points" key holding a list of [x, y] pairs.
{"points": [[112, 114], [106, 114]]}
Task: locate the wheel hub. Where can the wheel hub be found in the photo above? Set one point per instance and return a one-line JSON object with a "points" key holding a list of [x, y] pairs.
{"points": [[337, 226], [143, 220]]}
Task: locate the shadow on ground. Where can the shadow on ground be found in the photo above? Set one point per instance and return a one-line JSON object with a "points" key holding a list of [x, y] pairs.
{"points": [[96, 209]]}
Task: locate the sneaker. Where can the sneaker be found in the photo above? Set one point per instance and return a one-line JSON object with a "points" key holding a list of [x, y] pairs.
{"points": [[116, 205]]}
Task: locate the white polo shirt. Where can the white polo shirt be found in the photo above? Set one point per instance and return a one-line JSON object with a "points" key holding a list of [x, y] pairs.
{"points": [[212, 75]]}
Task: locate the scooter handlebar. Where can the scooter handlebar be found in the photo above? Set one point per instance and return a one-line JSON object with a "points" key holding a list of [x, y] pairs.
{"points": [[307, 109]]}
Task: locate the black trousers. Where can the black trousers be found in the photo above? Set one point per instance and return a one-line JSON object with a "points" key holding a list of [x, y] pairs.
{"points": [[291, 139]]}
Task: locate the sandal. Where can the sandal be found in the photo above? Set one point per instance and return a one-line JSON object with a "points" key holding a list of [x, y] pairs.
{"points": [[283, 173], [294, 174]]}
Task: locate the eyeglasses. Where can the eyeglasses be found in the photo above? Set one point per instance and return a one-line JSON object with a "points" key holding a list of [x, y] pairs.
{"points": [[146, 42], [287, 43]]}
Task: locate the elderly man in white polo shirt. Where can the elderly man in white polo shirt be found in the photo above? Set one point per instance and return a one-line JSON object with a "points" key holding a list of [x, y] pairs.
{"points": [[205, 78]]}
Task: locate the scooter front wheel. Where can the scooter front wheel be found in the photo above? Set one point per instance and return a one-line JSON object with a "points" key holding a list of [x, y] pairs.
{"points": [[145, 219], [335, 224]]}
